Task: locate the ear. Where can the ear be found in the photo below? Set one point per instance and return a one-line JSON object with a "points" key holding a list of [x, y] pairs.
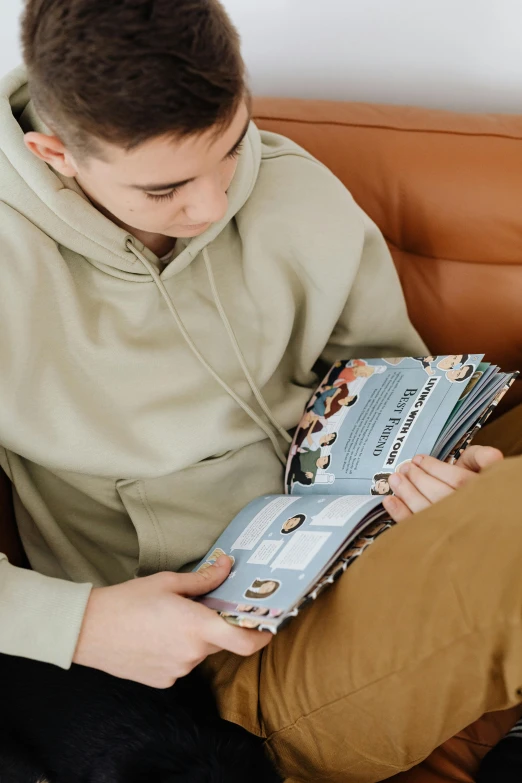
{"points": [[52, 151]]}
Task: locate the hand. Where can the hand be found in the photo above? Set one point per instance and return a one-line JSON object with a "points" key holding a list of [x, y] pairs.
{"points": [[426, 480], [149, 631]]}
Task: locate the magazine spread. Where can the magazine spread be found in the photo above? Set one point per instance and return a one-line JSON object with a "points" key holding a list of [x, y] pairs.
{"points": [[366, 419], [281, 546], [369, 416]]}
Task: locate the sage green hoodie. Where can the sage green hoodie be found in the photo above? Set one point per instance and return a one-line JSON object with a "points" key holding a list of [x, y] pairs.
{"points": [[140, 411]]}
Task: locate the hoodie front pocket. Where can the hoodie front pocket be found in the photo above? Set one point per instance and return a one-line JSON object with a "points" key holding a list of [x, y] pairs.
{"points": [[164, 512], [151, 541], [179, 516]]}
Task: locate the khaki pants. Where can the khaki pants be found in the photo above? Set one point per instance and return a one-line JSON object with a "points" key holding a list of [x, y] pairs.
{"points": [[420, 637]]}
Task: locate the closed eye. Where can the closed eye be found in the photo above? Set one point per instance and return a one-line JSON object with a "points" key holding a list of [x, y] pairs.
{"points": [[232, 155], [235, 152], [163, 196]]}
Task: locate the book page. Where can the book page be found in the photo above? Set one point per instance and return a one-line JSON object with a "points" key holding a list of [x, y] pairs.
{"points": [[280, 546], [369, 416]]}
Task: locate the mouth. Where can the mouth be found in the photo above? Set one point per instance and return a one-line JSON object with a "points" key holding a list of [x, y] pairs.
{"points": [[195, 227]]}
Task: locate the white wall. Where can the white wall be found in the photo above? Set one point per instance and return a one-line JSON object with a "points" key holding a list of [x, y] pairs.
{"points": [[9, 48], [463, 54]]}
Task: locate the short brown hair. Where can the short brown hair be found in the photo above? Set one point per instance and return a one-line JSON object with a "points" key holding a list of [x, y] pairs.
{"points": [[125, 71]]}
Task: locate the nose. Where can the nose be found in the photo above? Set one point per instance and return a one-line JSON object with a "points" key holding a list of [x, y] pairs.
{"points": [[209, 202]]}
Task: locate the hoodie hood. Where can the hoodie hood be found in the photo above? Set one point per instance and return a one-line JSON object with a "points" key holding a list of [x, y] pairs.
{"points": [[59, 209]]}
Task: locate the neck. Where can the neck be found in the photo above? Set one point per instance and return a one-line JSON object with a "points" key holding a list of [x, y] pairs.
{"points": [[158, 243]]}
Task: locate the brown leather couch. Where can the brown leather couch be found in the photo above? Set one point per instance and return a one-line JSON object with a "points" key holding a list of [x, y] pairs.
{"points": [[446, 190]]}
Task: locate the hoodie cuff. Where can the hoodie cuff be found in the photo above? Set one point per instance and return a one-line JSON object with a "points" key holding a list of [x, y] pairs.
{"points": [[40, 617]]}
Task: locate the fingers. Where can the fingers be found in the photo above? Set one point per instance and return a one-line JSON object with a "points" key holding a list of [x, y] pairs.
{"points": [[427, 480], [452, 475], [236, 640], [426, 472], [397, 510], [410, 487], [477, 458], [473, 461], [416, 488], [201, 582]]}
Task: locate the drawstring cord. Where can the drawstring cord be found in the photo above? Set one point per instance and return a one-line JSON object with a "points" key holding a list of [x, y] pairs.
{"points": [[241, 359], [242, 404]]}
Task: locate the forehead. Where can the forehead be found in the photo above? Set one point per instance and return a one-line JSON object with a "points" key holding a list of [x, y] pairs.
{"points": [[170, 157]]}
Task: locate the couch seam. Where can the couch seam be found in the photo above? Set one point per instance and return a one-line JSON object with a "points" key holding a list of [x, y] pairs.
{"points": [[395, 246], [377, 126], [387, 238]]}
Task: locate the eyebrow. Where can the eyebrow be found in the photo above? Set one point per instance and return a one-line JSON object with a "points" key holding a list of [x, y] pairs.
{"points": [[177, 185]]}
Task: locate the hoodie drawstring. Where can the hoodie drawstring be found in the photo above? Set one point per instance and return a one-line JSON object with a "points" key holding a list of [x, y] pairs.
{"points": [[241, 359], [235, 345]]}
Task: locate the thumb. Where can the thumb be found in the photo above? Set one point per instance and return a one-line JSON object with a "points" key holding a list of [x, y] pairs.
{"points": [[201, 582], [477, 458]]}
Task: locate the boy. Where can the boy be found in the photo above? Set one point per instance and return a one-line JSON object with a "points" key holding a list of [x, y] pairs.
{"points": [[163, 304], [158, 258]]}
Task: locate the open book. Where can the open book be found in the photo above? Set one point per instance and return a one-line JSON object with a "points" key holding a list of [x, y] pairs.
{"points": [[366, 419]]}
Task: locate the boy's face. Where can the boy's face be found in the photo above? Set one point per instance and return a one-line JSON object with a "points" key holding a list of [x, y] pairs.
{"points": [[322, 462], [168, 187]]}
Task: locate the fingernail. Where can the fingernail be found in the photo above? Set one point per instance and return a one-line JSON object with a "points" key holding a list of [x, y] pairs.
{"points": [[418, 459], [223, 560], [394, 480], [404, 468]]}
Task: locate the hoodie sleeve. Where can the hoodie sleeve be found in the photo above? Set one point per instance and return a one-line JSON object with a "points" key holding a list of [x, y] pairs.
{"points": [[40, 617], [375, 320]]}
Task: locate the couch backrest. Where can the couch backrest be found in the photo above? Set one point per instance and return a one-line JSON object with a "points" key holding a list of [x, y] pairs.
{"points": [[446, 191]]}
